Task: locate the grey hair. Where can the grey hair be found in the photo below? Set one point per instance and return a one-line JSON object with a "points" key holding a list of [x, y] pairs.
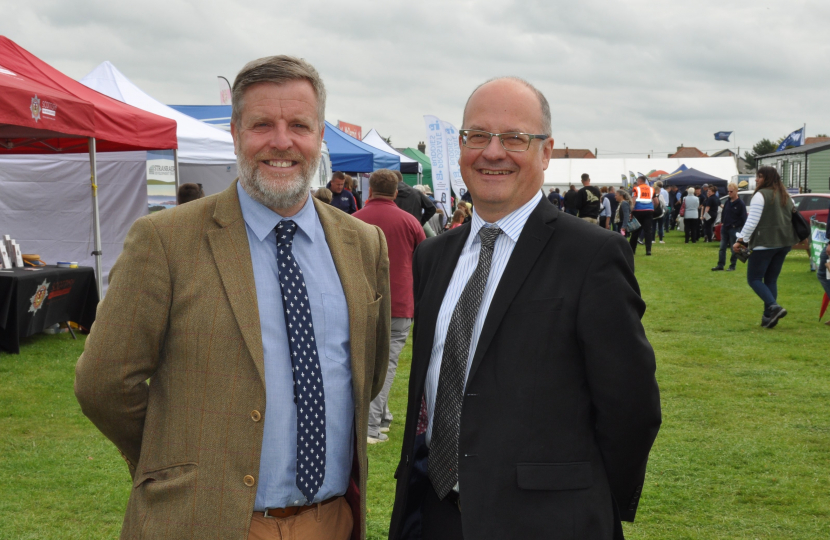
{"points": [[278, 70], [543, 102]]}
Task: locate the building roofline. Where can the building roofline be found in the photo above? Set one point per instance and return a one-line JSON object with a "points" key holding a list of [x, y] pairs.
{"points": [[804, 149]]}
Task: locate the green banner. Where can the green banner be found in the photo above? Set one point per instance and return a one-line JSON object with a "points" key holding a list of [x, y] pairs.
{"points": [[818, 240]]}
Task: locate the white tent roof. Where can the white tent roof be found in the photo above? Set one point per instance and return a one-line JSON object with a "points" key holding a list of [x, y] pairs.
{"points": [[374, 140], [606, 172], [198, 142]]}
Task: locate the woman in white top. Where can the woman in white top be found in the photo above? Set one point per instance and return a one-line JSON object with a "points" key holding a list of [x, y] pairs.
{"points": [[691, 216], [768, 232]]}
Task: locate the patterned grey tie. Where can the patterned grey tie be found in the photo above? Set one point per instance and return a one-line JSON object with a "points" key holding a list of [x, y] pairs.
{"points": [[446, 420]]}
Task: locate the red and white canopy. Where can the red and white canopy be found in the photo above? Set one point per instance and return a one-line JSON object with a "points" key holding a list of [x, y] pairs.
{"points": [[42, 110]]}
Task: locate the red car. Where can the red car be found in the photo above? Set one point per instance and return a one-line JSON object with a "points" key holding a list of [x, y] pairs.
{"points": [[808, 204]]}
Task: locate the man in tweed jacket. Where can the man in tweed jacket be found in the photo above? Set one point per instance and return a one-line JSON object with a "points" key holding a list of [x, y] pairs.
{"points": [[188, 369]]}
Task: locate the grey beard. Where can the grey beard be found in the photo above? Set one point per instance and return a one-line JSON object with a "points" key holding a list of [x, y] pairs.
{"points": [[264, 193]]}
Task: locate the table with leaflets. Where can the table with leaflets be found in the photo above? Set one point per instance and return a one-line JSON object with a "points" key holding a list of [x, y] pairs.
{"points": [[33, 300]]}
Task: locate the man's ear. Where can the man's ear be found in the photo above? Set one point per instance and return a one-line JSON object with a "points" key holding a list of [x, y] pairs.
{"points": [[547, 152], [235, 136]]}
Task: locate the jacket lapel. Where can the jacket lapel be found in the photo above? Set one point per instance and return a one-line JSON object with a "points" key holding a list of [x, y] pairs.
{"points": [[346, 254], [232, 255], [533, 239], [439, 282]]}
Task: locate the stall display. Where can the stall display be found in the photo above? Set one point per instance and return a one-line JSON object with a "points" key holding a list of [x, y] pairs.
{"points": [[33, 299]]}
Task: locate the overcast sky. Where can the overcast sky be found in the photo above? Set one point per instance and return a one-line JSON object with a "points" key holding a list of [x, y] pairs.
{"points": [[626, 78]]}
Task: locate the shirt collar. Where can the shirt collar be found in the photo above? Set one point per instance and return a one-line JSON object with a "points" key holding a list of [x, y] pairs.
{"points": [[511, 224], [262, 220]]}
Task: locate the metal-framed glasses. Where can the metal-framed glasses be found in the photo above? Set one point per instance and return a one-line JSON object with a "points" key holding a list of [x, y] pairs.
{"points": [[512, 142]]}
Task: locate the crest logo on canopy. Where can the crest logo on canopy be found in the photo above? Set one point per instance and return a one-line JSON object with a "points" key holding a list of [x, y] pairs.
{"points": [[35, 108]]}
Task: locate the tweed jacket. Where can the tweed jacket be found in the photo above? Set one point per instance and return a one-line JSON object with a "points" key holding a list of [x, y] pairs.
{"points": [[181, 311]]}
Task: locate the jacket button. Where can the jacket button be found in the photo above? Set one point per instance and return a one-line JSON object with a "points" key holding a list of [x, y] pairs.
{"points": [[249, 480], [256, 416]]}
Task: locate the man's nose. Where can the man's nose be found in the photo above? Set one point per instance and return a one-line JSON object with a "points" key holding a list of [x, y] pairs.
{"points": [[281, 137], [494, 150]]}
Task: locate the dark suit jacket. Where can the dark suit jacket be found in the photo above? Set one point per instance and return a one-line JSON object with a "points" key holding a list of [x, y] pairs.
{"points": [[561, 405]]}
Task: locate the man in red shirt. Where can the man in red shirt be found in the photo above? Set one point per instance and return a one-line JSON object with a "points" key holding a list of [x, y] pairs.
{"points": [[403, 234]]}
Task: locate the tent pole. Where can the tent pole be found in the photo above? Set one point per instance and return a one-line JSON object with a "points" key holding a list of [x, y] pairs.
{"points": [[96, 220], [176, 169]]}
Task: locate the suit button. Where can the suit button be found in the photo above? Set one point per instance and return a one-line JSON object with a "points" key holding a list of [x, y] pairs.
{"points": [[256, 416], [249, 480]]}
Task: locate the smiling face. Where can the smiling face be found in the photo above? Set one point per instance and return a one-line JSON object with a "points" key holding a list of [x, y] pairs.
{"points": [[277, 143], [501, 181]]}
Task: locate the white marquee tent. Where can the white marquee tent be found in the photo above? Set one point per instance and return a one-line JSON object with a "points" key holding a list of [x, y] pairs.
{"points": [[205, 153], [408, 165], [50, 195], [607, 172]]}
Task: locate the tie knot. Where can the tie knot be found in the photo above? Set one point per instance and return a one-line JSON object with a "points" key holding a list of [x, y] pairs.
{"points": [[488, 236], [285, 232]]}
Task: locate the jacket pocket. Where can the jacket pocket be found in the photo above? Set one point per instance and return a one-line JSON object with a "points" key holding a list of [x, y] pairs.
{"points": [[554, 476], [165, 496], [165, 474]]}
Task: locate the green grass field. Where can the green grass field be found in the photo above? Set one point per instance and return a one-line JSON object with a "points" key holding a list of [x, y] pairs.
{"points": [[744, 451]]}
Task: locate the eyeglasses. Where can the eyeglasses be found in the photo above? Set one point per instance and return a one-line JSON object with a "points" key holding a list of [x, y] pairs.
{"points": [[512, 142]]}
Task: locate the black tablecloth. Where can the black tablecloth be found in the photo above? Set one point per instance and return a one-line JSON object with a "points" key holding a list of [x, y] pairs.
{"points": [[31, 301]]}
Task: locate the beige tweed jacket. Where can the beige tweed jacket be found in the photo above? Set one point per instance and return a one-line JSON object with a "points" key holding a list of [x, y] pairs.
{"points": [[181, 311]]}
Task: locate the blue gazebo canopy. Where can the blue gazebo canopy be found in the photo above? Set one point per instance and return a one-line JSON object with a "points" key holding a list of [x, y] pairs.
{"points": [[351, 155]]}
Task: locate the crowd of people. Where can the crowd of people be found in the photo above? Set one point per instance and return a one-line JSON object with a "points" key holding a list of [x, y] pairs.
{"points": [[645, 213]]}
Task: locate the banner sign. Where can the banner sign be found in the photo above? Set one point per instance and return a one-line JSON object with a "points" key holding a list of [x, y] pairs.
{"points": [[452, 154], [224, 92], [818, 240], [437, 151], [350, 129]]}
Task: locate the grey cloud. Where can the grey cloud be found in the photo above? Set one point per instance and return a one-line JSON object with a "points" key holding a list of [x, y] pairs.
{"points": [[624, 76]]}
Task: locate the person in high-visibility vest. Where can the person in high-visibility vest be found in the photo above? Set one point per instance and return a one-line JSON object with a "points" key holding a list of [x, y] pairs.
{"points": [[644, 211]]}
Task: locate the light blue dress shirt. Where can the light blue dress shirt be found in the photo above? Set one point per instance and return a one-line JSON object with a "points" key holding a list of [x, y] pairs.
{"points": [[511, 226], [276, 486]]}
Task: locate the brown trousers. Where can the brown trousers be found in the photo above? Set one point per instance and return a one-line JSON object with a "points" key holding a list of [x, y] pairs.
{"points": [[330, 522]]}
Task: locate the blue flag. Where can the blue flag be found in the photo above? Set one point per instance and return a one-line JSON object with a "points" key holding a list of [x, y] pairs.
{"points": [[796, 138], [723, 136]]}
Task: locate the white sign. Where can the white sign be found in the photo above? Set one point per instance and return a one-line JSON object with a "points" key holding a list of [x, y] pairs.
{"points": [[7, 262], [18, 255], [453, 154], [437, 151]]}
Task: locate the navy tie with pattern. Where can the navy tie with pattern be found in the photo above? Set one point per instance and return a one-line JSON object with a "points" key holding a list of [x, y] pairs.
{"points": [[442, 467], [305, 365]]}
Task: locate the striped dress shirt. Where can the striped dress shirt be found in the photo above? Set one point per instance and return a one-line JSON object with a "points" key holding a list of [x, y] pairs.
{"points": [[511, 226]]}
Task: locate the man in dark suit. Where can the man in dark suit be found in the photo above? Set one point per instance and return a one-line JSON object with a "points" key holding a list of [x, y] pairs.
{"points": [[532, 398]]}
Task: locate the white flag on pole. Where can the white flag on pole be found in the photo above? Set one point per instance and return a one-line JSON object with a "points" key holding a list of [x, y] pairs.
{"points": [[437, 151], [224, 92], [453, 153]]}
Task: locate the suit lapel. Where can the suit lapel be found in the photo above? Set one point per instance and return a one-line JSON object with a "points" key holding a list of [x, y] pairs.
{"points": [[346, 254], [533, 239], [232, 255], [438, 283]]}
